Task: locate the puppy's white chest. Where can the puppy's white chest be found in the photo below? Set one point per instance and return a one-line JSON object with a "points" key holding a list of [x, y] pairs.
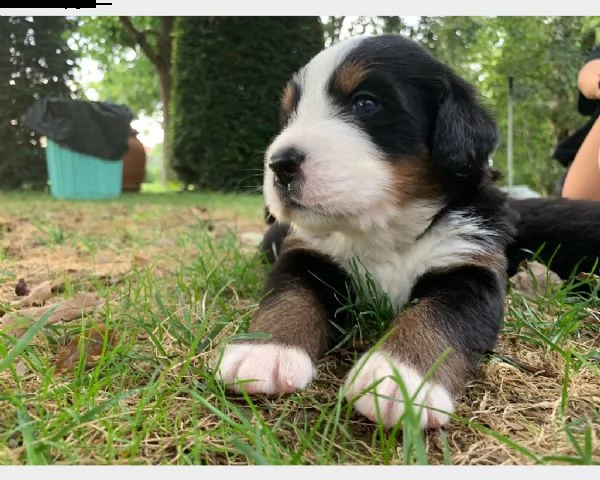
{"points": [[393, 276], [395, 267], [386, 268]]}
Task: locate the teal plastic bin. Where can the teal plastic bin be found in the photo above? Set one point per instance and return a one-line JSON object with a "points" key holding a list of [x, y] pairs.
{"points": [[78, 176]]}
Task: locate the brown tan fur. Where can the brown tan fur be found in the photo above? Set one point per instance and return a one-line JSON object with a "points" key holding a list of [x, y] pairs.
{"points": [[414, 179], [495, 261], [295, 317], [288, 99], [349, 76], [426, 348], [292, 241]]}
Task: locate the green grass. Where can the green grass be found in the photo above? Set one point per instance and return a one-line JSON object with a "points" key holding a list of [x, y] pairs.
{"points": [[152, 399]]}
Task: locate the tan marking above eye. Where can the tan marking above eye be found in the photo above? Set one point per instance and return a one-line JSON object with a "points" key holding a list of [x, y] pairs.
{"points": [[288, 98], [349, 76]]}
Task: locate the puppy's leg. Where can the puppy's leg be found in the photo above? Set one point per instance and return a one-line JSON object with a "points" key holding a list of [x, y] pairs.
{"points": [[458, 310], [305, 289]]}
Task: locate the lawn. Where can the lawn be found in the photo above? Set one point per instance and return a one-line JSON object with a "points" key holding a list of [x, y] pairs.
{"points": [[163, 278]]}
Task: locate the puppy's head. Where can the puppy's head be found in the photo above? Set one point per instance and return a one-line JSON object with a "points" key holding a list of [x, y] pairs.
{"points": [[374, 128]]}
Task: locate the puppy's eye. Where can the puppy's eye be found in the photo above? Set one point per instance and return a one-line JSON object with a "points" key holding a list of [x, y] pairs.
{"points": [[364, 105]]}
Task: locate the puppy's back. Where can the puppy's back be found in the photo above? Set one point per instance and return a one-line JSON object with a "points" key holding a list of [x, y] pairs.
{"points": [[566, 231]]}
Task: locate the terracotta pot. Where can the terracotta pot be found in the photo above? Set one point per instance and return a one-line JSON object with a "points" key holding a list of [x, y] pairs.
{"points": [[134, 164]]}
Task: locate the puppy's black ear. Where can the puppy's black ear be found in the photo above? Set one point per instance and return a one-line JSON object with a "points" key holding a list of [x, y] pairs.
{"points": [[465, 133]]}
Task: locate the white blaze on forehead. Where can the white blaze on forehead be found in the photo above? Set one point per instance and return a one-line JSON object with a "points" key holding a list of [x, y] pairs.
{"points": [[340, 158], [314, 106]]}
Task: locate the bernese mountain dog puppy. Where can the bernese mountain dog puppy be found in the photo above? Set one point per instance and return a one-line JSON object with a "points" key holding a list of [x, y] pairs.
{"points": [[381, 173]]}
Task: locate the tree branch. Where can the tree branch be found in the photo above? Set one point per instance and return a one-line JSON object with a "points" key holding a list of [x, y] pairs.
{"points": [[140, 39], [166, 40]]}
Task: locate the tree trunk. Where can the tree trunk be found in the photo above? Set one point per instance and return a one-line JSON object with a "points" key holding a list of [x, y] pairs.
{"points": [[165, 95], [165, 48], [161, 57]]}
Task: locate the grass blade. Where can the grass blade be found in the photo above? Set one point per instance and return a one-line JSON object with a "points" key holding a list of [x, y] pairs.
{"points": [[25, 339]]}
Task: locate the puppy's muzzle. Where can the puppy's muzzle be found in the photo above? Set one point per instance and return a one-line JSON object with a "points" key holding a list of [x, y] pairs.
{"points": [[287, 165]]}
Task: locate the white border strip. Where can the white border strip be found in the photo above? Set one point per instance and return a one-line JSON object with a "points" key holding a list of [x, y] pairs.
{"points": [[316, 7], [292, 473]]}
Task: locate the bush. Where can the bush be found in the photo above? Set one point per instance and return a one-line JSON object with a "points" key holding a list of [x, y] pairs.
{"points": [[36, 62], [227, 80]]}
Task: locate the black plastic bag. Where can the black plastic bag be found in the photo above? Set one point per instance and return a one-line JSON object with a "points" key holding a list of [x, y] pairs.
{"points": [[99, 129]]}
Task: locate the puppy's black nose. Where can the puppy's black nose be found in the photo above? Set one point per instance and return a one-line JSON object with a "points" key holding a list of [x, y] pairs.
{"points": [[286, 165]]}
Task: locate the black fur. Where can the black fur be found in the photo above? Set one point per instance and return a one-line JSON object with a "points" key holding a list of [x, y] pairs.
{"points": [[564, 233], [308, 271], [271, 242], [465, 134], [424, 105], [425, 113], [455, 319]]}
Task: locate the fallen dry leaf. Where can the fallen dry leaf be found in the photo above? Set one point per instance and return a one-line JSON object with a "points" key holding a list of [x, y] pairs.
{"points": [[112, 274], [92, 347], [21, 289], [534, 279], [6, 226], [37, 297], [139, 261], [17, 322], [587, 277], [199, 212], [21, 368], [108, 272]]}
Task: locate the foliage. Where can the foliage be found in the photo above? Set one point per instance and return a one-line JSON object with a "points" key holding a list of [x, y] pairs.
{"points": [[128, 76], [35, 63], [132, 82], [332, 29], [136, 54], [543, 54], [228, 75]]}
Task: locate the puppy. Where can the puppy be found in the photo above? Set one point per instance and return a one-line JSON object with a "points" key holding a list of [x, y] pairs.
{"points": [[380, 172]]}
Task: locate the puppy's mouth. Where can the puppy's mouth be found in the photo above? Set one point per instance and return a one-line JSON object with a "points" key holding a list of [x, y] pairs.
{"points": [[290, 196], [297, 205]]}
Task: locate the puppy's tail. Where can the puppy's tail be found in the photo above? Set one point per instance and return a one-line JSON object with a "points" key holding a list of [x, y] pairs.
{"points": [[562, 234]]}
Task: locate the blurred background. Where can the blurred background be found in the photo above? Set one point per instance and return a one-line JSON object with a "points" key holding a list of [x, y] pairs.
{"points": [[204, 90]]}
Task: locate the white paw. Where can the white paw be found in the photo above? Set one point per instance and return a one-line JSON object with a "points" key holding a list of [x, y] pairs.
{"points": [[388, 406], [265, 368]]}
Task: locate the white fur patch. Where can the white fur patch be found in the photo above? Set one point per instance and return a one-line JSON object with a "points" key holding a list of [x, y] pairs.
{"points": [[385, 402], [340, 159], [352, 211], [265, 368], [394, 257]]}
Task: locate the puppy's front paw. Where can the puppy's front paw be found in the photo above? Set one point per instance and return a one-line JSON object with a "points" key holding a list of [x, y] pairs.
{"points": [[265, 368], [385, 402]]}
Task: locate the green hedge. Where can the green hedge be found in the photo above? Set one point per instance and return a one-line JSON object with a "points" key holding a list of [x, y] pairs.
{"points": [[35, 62], [227, 80]]}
